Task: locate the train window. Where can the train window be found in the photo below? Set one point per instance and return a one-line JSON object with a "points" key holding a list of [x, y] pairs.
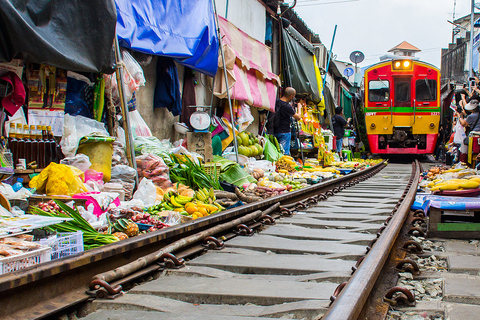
{"points": [[402, 91], [426, 90], [378, 90]]}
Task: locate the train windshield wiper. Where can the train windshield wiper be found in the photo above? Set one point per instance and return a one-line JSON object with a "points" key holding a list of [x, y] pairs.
{"points": [[429, 89]]}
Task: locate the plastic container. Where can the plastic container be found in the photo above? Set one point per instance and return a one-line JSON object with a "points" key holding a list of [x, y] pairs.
{"points": [[24, 260], [64, 244], [18, 185], [115, 187], [100, 155]]}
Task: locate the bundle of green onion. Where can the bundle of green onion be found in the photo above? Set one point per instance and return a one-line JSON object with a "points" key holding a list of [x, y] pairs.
{"points": [[192, 174], [91, 237]]}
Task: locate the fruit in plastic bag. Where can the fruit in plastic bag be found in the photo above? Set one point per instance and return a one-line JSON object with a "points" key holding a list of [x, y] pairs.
{"points": [[59, 179]]}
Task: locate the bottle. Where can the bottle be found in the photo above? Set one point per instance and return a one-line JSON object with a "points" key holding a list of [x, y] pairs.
{"points": [[20, 145], [14, 148], [18, 185], [10, 132], [48, 152], [41, 148], [53, 145], [28, 143], [34, 147]]}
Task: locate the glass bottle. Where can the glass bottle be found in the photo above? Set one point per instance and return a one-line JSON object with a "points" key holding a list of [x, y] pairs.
{"points": [[20, 144], [28, 143], [34, 147], [52, 144], [47, 150], [41, 148], [10, 132], [14, 148]]}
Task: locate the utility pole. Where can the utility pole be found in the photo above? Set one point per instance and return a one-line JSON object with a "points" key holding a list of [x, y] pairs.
{"points": [[470, 67]]}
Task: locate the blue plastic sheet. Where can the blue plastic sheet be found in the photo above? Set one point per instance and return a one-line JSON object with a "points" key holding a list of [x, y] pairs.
{"points": [[183, 30], [427, 201]]}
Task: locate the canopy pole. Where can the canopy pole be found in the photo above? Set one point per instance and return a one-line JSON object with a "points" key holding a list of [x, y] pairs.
{"points": [[326, 71], [123, 107], [235, 145]]}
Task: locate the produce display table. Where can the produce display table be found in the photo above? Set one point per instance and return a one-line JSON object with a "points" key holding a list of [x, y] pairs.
{"points": [[453, 217]]}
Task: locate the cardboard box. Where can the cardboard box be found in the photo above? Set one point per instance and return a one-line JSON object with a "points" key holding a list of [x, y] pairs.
{"points": [[201, 143]]}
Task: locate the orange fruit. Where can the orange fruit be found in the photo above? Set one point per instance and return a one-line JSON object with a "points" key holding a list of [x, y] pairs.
{"points": [[189, 204], [198, 214], [203, 211], [194, 216], [191, 209]]}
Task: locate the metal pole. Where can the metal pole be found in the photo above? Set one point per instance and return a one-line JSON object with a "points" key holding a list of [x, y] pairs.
{"points": [[326, 71], [470, 66], [235, 145], [123, 106]]}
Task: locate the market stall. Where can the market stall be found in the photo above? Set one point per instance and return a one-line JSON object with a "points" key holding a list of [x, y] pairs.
{"points": [[81, 171]]}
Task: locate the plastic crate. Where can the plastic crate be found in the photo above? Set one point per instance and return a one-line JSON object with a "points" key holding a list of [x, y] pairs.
{"points": [[24, 260], [64, 244], [212, 167]]}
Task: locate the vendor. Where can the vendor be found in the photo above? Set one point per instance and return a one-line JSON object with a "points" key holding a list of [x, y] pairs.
{"points": [[283, 112]]}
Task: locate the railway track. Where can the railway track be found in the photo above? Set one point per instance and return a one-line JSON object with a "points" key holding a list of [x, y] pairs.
{"points": [[289, 269]]}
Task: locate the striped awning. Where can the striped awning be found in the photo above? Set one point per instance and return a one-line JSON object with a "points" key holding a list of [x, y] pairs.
{"points": [[249, 69]]}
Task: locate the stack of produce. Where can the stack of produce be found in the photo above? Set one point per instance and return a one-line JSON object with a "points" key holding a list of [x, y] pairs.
{"points": [[248, 145], [203, 203], [442, 179], [186, 171], [154, 168], [91, 237]]}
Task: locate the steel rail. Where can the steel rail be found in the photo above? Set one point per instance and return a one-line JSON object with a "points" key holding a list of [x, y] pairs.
{"points": [[39, 291], [351, 300]]}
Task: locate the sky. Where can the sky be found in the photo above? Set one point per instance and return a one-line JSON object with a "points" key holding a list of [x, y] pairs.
{"points": [[376, 26]]}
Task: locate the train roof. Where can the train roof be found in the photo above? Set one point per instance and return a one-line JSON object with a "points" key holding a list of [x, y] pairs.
{"points": [[393, 58]]}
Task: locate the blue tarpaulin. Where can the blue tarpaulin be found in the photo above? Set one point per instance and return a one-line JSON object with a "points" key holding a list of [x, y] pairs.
{"points": [[183, 30]]}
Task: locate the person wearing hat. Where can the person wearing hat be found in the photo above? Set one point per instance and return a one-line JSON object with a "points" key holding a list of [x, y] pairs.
{"points": [[471, 121]]}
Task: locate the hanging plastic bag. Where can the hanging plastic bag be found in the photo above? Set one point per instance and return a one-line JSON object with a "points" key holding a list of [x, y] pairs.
{"points": [[59, 179], [134, 68], [79, 161], [245, 117], [146, 192], [138, 125]]}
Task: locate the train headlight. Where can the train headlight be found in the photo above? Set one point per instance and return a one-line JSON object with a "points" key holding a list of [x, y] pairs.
{"points": [[373, 126], [432, 125], [402, 65]]}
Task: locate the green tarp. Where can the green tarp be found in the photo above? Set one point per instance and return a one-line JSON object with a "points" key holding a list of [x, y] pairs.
{"points": [[297, 65], [346, 103]]}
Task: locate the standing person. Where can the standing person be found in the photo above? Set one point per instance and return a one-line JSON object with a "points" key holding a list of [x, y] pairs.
{"points": [[338, 124], [283, 112]]}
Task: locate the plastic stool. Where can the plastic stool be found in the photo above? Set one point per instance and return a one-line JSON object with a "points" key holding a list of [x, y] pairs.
{"points": [[347, 154]]}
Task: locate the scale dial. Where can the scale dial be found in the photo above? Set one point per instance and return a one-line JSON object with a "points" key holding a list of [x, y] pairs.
{"points": [[200, 120]]}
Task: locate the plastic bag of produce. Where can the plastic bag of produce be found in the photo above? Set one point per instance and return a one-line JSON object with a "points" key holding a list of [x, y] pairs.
{"points": [[124, 173], [153, 167], [264, 165], [119, 156], [75, 128], [270, 151], [145, 145], [138, 125], [80, 161], [59, 179], [146, 192]]}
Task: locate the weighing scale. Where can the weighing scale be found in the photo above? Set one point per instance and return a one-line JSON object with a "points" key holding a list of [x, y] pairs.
{"points": [[200, 120]]}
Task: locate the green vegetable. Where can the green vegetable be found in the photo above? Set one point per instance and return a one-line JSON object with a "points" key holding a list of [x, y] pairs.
{"points": [[191, 174], [237, 176], [91, 237]]}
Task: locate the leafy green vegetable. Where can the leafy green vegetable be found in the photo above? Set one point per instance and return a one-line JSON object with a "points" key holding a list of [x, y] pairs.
{"points": [[91, 237], [237, 176], [192, 174]]}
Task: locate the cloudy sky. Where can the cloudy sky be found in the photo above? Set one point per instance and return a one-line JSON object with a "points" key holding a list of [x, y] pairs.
{"points": [[376, 26]]}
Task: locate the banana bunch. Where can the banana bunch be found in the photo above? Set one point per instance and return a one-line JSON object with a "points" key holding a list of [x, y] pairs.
{"points": [[205, 195], [173, 200], [453, 184], [286, 163], [321, 169]]}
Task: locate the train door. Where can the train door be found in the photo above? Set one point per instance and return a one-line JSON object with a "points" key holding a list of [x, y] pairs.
{"points": [[403, 110]]}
